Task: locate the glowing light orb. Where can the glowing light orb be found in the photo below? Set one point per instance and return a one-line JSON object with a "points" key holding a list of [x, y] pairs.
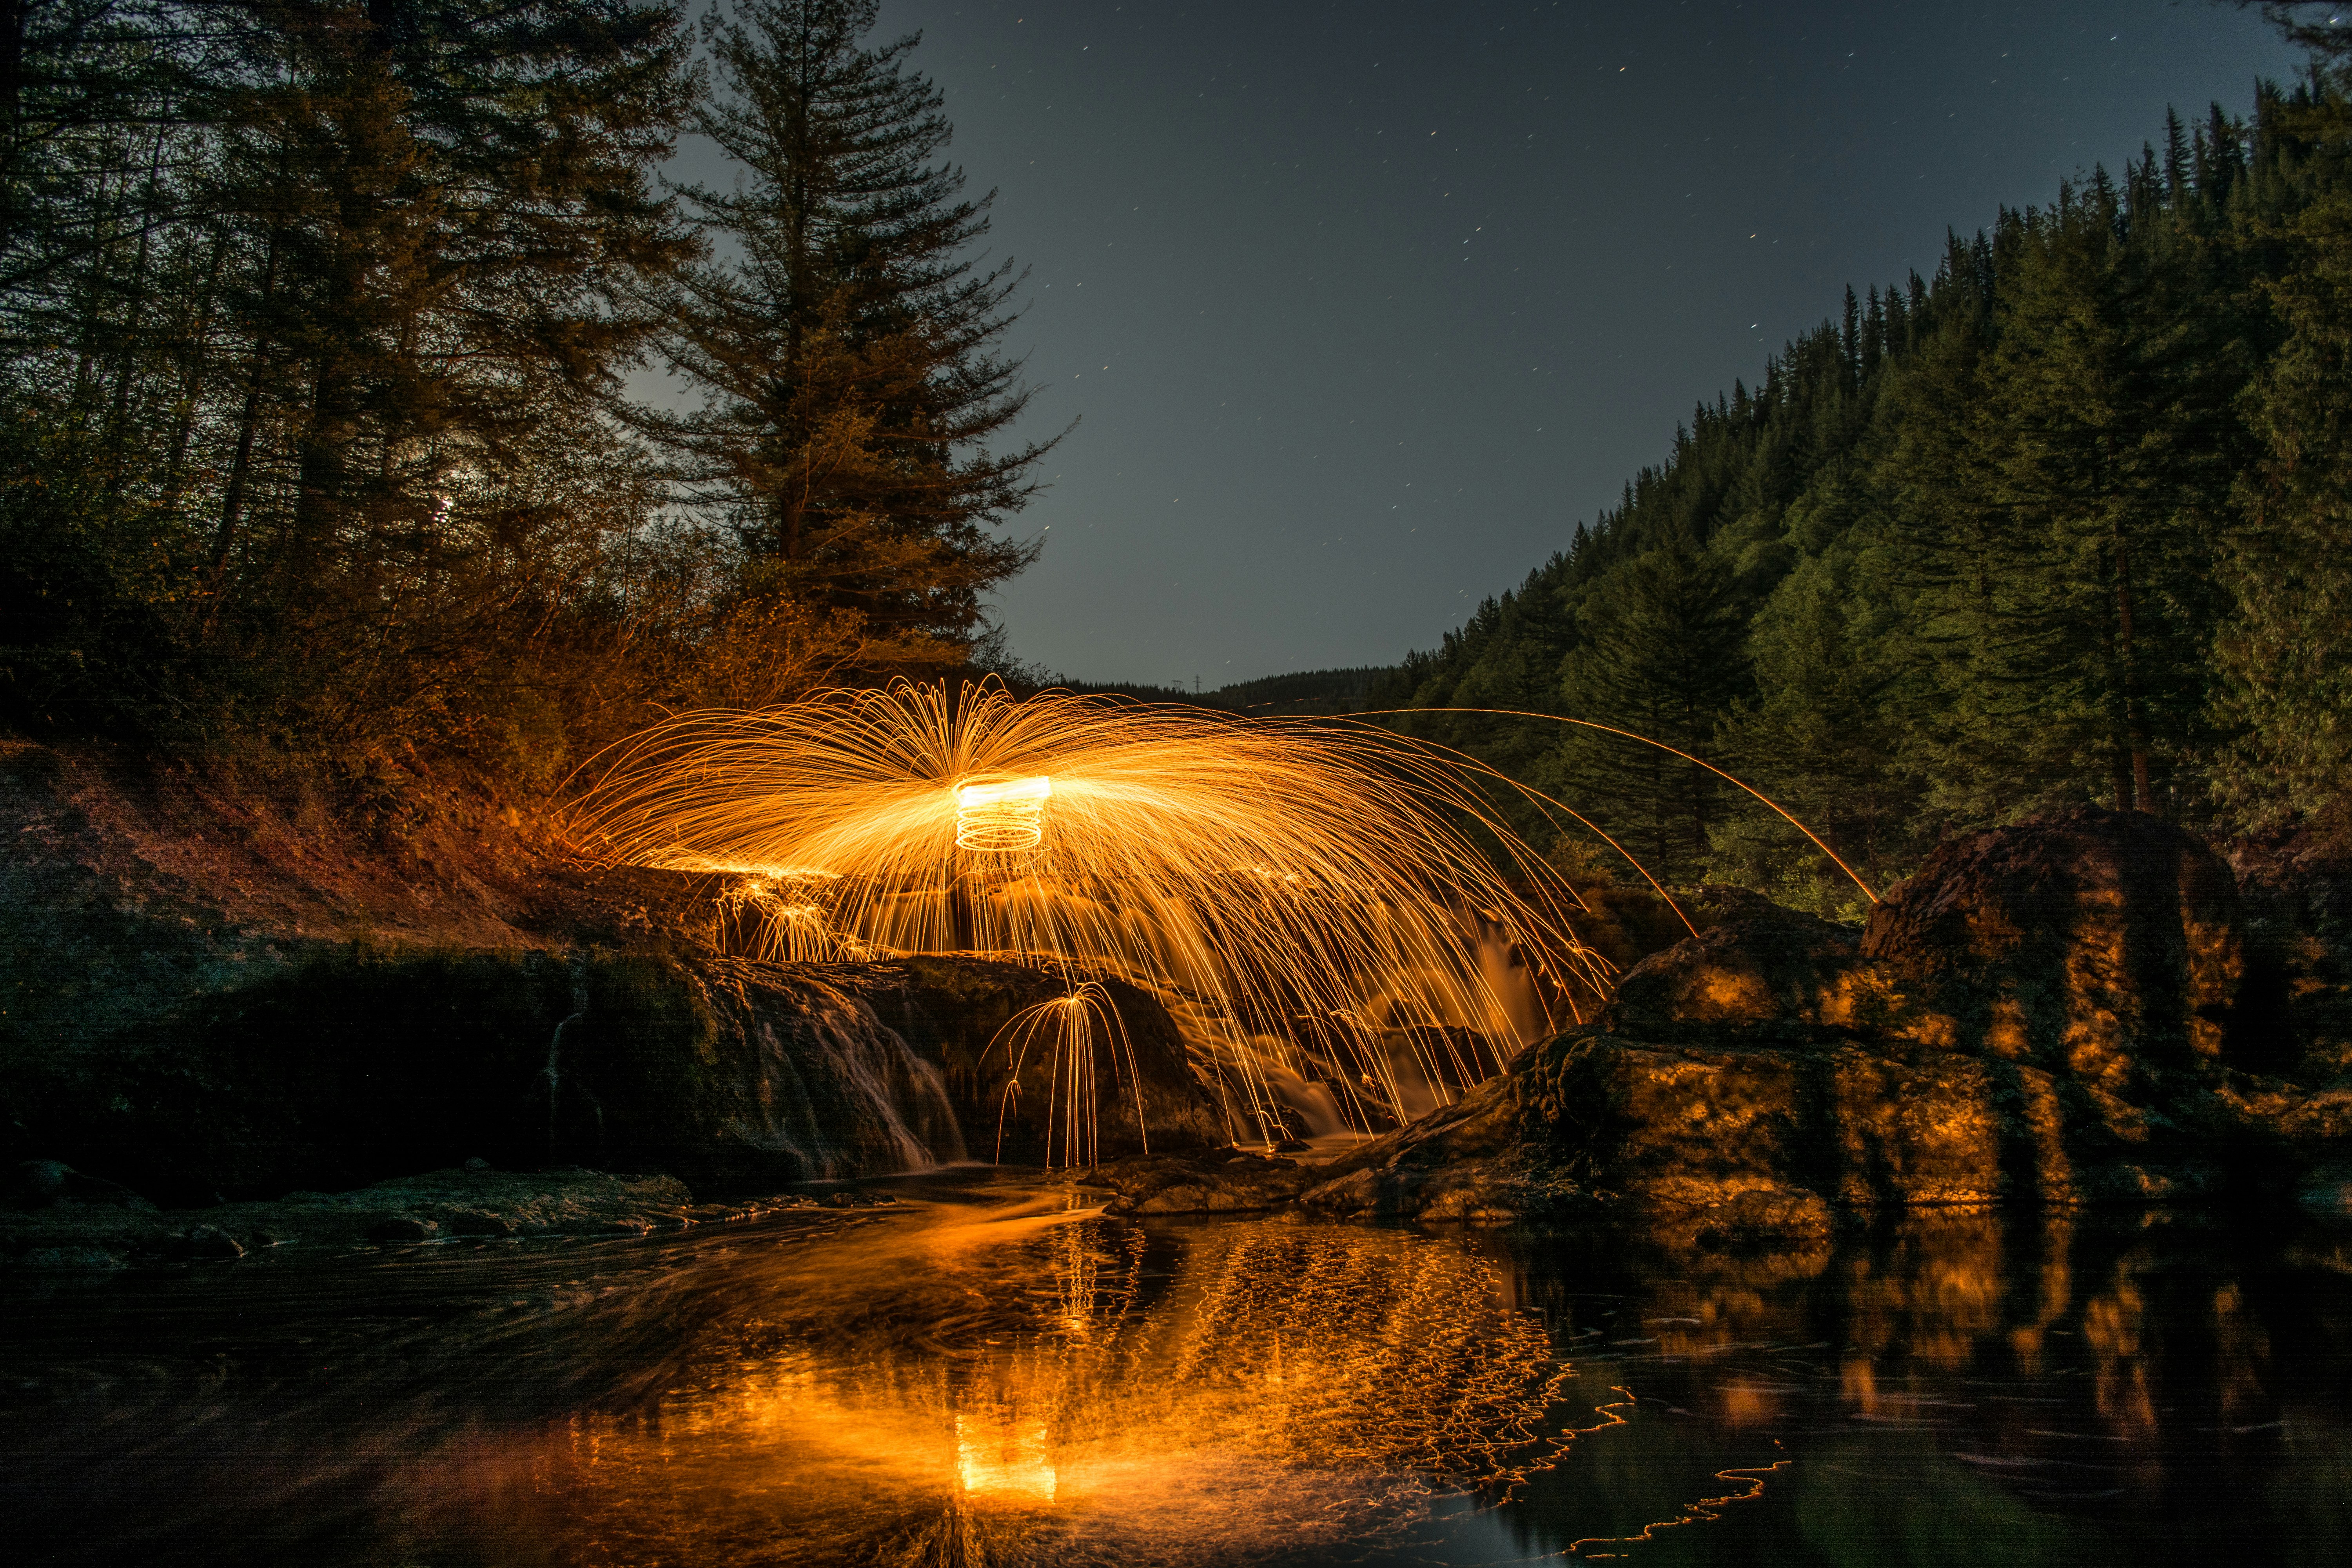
{"points": [[1002, 817]]}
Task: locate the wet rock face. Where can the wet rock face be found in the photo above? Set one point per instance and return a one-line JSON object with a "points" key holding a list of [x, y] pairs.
{"points": [[2092, 944], [1459, 1162], [960, 1012], [1695, 1127], [1768, 975], [357, 1065], [2057, 1012]]}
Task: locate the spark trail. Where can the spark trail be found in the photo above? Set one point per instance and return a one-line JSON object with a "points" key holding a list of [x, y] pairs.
{"points": [[1335, 913]]}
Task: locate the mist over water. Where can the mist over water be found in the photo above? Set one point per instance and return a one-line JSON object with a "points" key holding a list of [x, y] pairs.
{"points": [[996, 1373]]}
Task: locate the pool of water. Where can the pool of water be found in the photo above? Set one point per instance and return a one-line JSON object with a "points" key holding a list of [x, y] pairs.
{"points": [[988, 1374]]}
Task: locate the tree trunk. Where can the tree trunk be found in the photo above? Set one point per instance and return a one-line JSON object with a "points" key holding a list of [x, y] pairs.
{"points": [[2134, 716], [127, 356], [323, 477], [15, 15], [2134, 720], [192, 382], [241, 468]]}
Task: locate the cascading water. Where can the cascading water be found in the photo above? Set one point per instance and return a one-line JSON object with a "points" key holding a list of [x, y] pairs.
{"points": [[827, 1082]]}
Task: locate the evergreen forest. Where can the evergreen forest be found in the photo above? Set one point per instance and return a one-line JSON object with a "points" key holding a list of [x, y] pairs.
{"points": [[317, 436], [317, 439], [2068, 521]]}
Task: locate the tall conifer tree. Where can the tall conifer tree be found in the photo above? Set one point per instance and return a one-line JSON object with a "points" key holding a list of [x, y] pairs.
{"points": [[1662, 657], [845, 341], [2285, 654]]}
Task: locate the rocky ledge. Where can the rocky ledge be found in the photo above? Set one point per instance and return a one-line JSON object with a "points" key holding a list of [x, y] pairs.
{"points": [[2078, 1009], [58, 1219]]}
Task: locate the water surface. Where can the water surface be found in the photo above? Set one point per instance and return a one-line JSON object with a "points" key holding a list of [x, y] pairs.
{"points": [[991, 1373]]}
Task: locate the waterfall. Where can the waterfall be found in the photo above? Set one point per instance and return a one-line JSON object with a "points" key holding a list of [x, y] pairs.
{"points": [[828, 1083], [552, 1075]]}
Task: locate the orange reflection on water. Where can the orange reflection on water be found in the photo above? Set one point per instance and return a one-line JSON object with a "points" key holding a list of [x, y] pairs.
{"points": [[1032, 1384], [1004, 1460]]}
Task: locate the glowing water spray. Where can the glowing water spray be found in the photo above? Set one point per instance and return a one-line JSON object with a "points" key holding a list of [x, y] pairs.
{"points": [[1309, 896]]}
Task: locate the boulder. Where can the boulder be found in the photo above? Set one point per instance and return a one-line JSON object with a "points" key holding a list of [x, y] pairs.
{"points": [[2097, 944], [44, 1184], [1765, 974], [207, 1241], [1693, 1127], [1458, 1162]]}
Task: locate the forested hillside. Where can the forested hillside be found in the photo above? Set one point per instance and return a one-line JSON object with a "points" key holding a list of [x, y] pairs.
{"points": [[2067, 520], [317, 317]]}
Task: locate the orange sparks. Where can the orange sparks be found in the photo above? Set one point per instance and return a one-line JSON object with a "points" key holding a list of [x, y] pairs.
{"points": [[1337, 916]]}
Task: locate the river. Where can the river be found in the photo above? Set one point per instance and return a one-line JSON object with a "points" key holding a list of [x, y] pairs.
{"points": [[992, 1372]]}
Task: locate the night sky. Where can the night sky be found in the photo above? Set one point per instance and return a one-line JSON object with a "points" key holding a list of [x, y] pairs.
{"points": [[1364, 305]]}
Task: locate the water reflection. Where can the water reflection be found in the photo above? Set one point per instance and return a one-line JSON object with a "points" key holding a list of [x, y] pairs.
{"points": [[999, 1377], [1964, 1387], [1034, 1384]]}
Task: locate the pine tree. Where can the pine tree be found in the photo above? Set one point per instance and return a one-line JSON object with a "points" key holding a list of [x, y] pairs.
{"points": [[2285, 654], [1824, 735], [1662, 657], [328, 282], [2055, 514], [846, 343], [449, 213]]}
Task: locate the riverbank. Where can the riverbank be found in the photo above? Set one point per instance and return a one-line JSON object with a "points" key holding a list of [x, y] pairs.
{"points": [[59, 1221]]}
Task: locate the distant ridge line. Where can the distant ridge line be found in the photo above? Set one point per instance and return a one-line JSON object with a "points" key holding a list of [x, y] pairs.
{"points": [[1304, 692]]}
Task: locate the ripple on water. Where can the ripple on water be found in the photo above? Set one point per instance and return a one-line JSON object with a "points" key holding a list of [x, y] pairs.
{"points": [[995, 1376]]}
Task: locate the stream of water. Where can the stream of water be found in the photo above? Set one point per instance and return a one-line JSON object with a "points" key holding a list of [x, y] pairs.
{"points": [[992, 1373]]}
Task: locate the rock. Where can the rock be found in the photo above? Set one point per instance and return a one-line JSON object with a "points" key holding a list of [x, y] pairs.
{"points": [[955, 1011], [2056, 1012], [1762, 974], [207, 1241], [2327, 1190], [42, 1183], [476, 1165], [474, 1222], [2092, 944], [410, 1208], [1459, 1162], [71, 1260], [1762, 1219], [1690, 1127]]}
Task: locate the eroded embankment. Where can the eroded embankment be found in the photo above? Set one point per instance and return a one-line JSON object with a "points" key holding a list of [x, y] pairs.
{"points": [[209, 996]]}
